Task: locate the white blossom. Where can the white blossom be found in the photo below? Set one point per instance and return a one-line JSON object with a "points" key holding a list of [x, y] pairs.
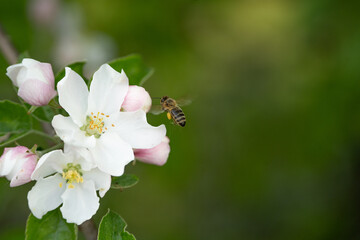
{"points": [[64, 179], [96, 124]]}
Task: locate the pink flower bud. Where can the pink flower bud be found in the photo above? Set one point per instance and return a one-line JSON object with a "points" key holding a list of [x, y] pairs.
{"points": [[157, 155], [35, 81], [17, 164], [135, 99]]}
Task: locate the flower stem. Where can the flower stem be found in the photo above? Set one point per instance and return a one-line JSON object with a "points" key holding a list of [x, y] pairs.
{"points": [[54, 139], [57, 146]]}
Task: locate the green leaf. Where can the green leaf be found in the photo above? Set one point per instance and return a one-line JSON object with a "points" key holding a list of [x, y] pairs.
{"points": [[13, 118], [51, 226], [45, 113], [124, 181], [112, 227], [134, 67], [76, 66]]}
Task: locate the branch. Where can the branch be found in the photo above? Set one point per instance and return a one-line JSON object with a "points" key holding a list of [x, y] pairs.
{"points": [[7, 48]]}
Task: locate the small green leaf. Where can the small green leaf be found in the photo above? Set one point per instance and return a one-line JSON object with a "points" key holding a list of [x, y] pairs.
{"points": [[134, 67], [45, 113], [13, 118], [112, 227], [51, 226], [124, 181], [76, 66]]}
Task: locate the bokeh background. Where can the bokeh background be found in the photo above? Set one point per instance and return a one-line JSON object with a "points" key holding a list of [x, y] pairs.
{"points": [[271, 146]]}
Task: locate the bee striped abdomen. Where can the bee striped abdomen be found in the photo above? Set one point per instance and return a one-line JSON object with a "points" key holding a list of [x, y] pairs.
{"points": [[178, 116]]}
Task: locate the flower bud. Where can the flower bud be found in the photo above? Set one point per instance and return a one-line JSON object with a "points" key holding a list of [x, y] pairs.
{"points": [[35, 81], [135, 99], [17, 164], [157, 155]]}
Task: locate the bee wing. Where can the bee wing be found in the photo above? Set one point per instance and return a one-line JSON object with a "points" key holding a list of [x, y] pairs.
{"points": [[156, 109], [184, 101]]}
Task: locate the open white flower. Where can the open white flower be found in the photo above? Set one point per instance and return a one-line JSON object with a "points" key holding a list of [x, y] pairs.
{"points": [[62, 178], [96, 123]]}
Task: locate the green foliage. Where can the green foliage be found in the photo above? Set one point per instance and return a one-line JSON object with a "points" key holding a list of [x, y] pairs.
{"points": [[44, 113], [13, 118], [76, 66], [51, 226], [112, 227], [124, 181], [134, 67]]}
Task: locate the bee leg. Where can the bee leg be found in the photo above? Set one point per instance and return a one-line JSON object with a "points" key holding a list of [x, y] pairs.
{"points": [[168, 115]]}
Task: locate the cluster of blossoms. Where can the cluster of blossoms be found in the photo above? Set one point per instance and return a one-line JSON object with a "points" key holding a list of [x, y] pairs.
{"points": [[105, 130]]}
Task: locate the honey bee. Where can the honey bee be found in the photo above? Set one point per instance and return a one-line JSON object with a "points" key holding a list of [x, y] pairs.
{"points": [[173, 110]]}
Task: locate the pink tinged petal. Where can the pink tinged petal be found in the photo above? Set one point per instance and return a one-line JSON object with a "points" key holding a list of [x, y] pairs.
{"points": [[111, 154], [73, 96], [46, 195], [36, 92], [9, 159], [80, 203], [52, 162], [70, 133], [102, 180], [136, 98], [157, 155], [48, 74], [23, 175], [133, 128], [107, 91]]}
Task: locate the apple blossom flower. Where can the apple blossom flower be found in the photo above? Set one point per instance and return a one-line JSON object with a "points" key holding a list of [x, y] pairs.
{"points": [[63, 179], [35, 81], [157, 155], [17, 164], [135, 99], [96, 124]]}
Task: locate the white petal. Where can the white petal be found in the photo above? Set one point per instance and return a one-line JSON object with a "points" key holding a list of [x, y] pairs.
{"points": [[111, 154], [80, 203], [73, 96], [70, 133], [107, 91], [133, 128], [52, 162], [81, 156], [102, 180], [13, 71], [45, 195]]}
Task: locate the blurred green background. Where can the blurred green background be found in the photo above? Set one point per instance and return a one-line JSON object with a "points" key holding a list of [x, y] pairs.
{"points": [[271, 149]]}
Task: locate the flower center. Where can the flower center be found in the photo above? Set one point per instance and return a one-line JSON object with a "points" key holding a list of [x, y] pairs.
{"points": [[95, 125], [72, 174]]}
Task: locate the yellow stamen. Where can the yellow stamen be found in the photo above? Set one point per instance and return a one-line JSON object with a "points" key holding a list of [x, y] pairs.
{"points": [[60, 184], [71, 186]]}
